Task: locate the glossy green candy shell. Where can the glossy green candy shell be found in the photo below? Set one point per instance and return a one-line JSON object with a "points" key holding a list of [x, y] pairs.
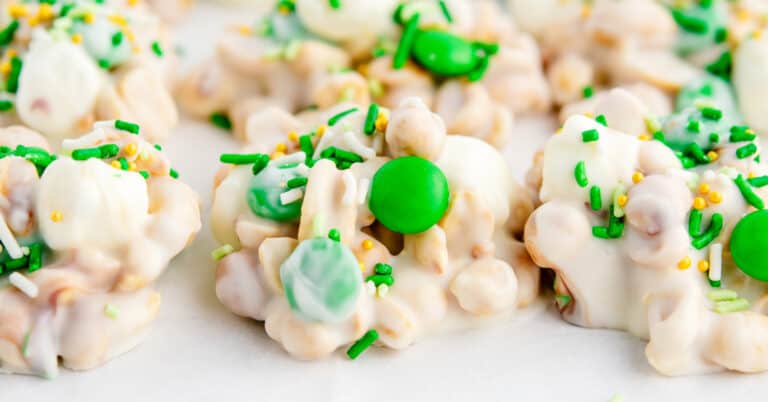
{"points": [[446, 54], [263, 196], [749, 245], [409, 195], [322, 280]]}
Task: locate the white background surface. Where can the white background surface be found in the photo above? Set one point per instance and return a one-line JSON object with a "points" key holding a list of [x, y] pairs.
{"points": [[198, 351]]}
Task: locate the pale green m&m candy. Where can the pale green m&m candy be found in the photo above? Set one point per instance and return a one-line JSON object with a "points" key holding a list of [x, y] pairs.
{"points": [[263, 196], [409, 195], [322, 280], [749, 245]]}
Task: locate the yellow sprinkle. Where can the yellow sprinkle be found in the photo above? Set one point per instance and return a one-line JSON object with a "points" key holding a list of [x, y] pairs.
{"points": [[685, 263], [118, 20], [637, 177], [622, 200], [5, 67], [132, 166], [362, 266], [131, 149], [17, 10], [284, 10], [367, 244], [136, 49], [643, 137], [88, 18], [278, 155], [32, 20], [756, 34], [559, 130], [293, 136], [57, 216], [586, 11], [244, 30], [129, 34], [133, 2], [751, 175], [713, 156], [704, 188], [321, 131], [715, 197], [77, 38], [381, 122], [590, 115], [699, 203], [281, 147], [116, 165], [742, 14], [142, 156], [11, 53], [703, 266], [45, 11]]}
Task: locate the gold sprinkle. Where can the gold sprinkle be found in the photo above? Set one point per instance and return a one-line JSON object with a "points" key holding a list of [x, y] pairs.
{"points": [[699, 203], [703, 266], [244, 30], [88, 18], [559, 130], [132, 166], [685, 263], [5, 67], [751, 175], [284, 10], [45, 11], [622, 200], [17, 10], [586, 11], [57, 216], [321, 131], [281, 147], [643, 137], [131, 149], [32, 20], [381, 122], [118, 20], [77, 38], [715, 197], [704, 188], [362, 266], [116, 165], [142, 156], [277, 155], [133, 2], [367, 244], [637, 177], [590, 115], [713, 156], [293, 136]]}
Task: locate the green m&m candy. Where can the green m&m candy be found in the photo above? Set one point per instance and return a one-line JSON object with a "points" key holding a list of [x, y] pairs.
{"points": [[749, 245], [409, 195], [322, 280], [265, 190]]}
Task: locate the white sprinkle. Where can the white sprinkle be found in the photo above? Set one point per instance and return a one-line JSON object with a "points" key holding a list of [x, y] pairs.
{"points": [[9, 240], [382, 290], [370, 287], [350, 188], [362, 191], [716, 262], [292, 158], [302, 169], [24, 284], [378, 144], [355, 146], [292, 195]]}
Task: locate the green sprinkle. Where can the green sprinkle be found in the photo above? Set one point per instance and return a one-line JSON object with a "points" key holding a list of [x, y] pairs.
{"points": [[335, 4], [117, 38], [741, 133], [5, 105], [370, 119], [335, 119], [601, 119], [334, 234], [694, 223], [563, 300], [382, 269], [104, 64], [105, 151], [721, 35], [615, 225], [693, 126], [221, 120], [305, 144], [123, 163], [731, 306], [695, 151], [381, 280], [12, 84], [111, 311], [595, 198], [588, 91], [446, 11], [761, 181], [746, 151], [590, 135], [659, 136], [711, 113], [362, 344], [406, 42], [690, 23], [715, 226], [714, 138], [158, 147], [242, 159], [144, 174], [260, 164], [722, 295], [66, 8], [132, 128], [580, 174], [746, 192], [35, 257], [221, 252], [173, 173], [722, 66], [157, 49], [714, 284], [600, 232], [7, 34], [297, 182]]}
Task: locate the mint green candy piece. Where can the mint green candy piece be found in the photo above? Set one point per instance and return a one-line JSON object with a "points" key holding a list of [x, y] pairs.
{"points": [[322, 280], [263, 194]]}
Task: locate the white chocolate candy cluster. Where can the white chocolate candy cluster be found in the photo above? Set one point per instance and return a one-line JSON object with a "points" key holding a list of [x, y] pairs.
{"points": [[639, 237], [309, 53], [306, 251], [85, 234], [68, 64]]}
